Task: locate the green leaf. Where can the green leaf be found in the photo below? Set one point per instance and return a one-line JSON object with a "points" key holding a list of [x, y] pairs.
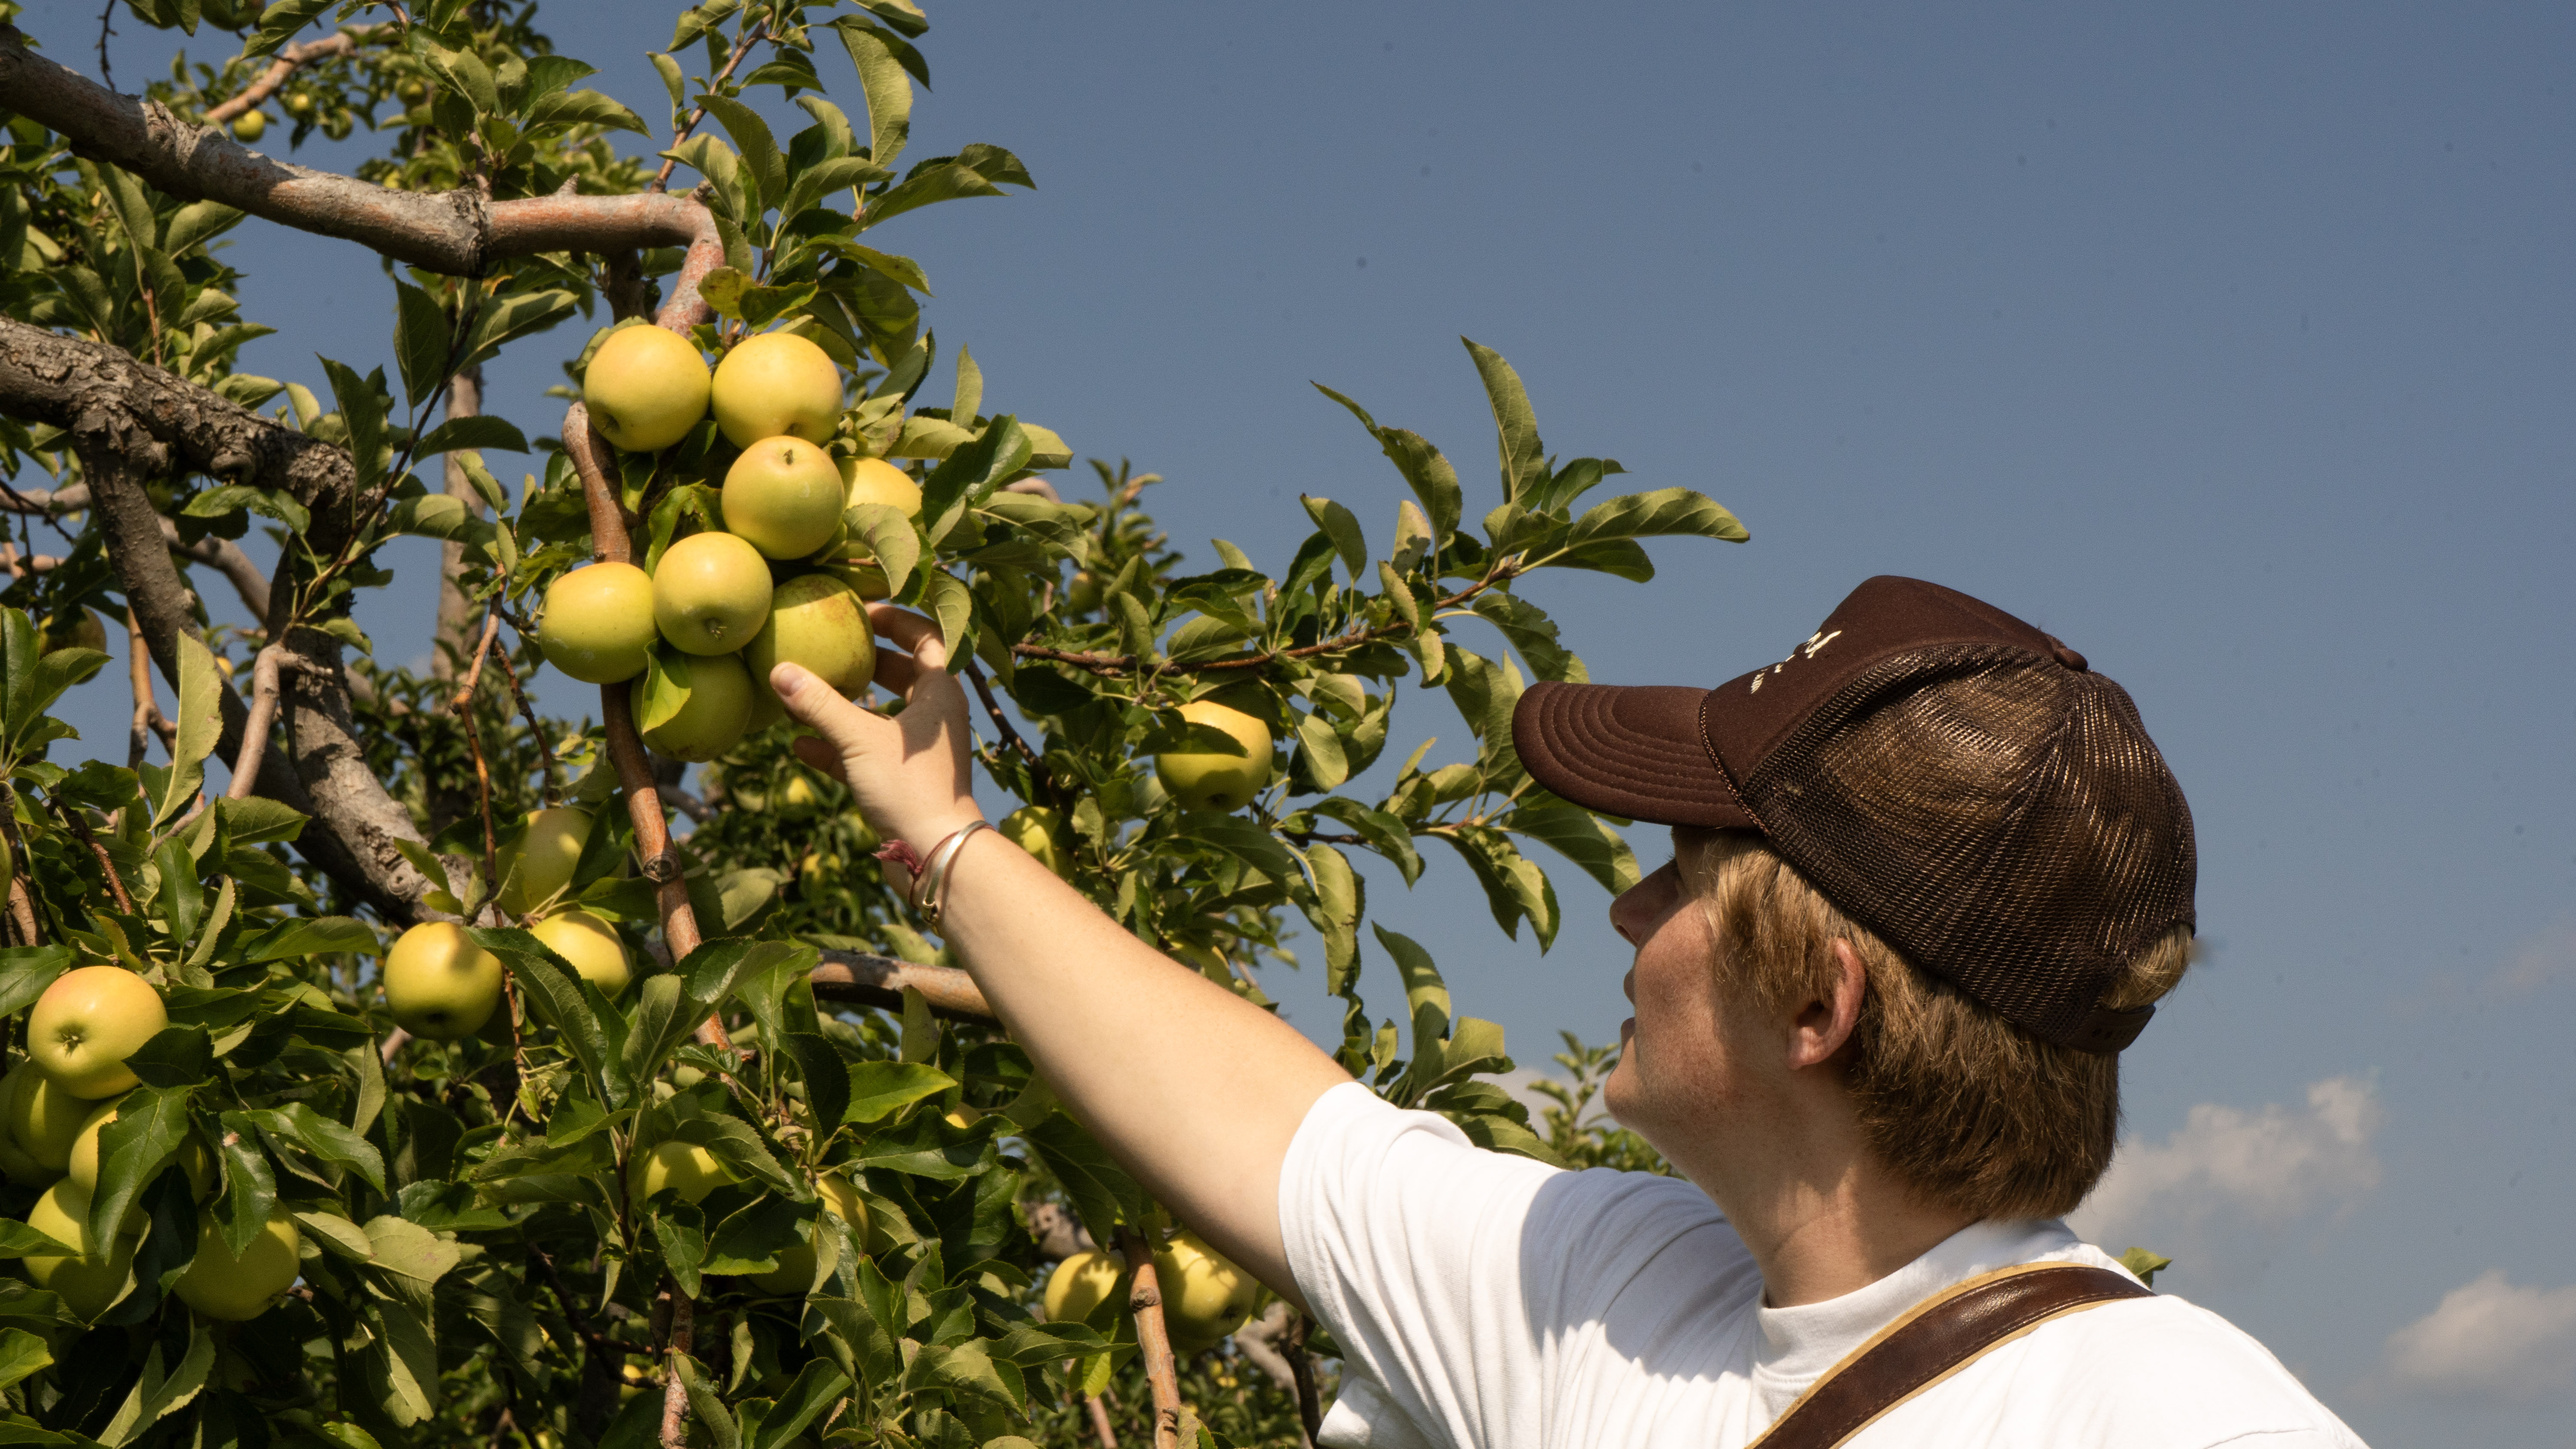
{"points": [[17, 1240], [1102, 1193], [420, 342], [150, 1124], [155, 1394], [1325, 763], [970, 474], [880, 60], [176, 1056], [1579, 836], [758, 149], [1422, 984], [199, 221], [1386, 834], [705, 1404], [816, 1389], [409, 1258], [279, 22], [949, 601], [23, 1353], [666, 689], [309, 936], [25, 972], [480, 430], [892, 539], [2145, 1264], [257, 820], [1663, 511], [585, 108], [878, 1089], [514, 315], [235, 497], [1335, 912], [319, 1135], [1339, 525], [1243, 840], [560, 999], [657, 1025], [1524, 464], [250, 1190], [1514, 887], [736, 1146]]}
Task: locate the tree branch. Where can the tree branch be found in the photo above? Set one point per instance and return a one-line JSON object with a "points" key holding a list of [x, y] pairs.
{"points": [[855, 976], [129, 423], [227, 558], [1153, 1340], [454, 233], [454, 633], [286, 64]]}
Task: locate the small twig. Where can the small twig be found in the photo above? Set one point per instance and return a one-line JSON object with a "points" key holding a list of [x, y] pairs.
{"points": [[80, 826], [263, 713], [1310, 1404], [1111, 666], [573, 1313], [393, 1043], [742, 48], [1153, 1340], [675, 1391], [1037, 767], [278, 70], [138, 665], [462, 706], [528, 712], [22, 903], [1100, 1426], [106, 13]]}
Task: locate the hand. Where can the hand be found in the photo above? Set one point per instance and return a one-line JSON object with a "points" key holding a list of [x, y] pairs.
{"points": [[909, 771]]}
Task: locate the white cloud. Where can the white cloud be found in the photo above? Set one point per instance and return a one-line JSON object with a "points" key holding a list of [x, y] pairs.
{"points": [[2269, 1165], [2490, 1338]]}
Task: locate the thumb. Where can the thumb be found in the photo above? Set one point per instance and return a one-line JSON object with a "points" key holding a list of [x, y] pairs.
{"points": [[819, 707]]}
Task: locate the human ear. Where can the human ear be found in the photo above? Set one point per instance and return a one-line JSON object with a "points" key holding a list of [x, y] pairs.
{"points": [[1825, 1024]]}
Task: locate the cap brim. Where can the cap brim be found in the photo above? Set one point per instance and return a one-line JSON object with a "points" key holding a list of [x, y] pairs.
{"points": [[1628, 750]]}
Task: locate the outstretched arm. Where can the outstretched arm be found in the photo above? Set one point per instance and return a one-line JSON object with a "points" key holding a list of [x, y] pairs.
{"points": [[1196, 1090]]}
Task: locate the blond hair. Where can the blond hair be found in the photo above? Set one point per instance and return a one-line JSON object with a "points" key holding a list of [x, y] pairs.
{"points": [[1965, 1108]]}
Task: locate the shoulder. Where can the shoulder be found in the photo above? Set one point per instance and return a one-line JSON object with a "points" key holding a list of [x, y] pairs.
{"points": [[2162, 1371]]}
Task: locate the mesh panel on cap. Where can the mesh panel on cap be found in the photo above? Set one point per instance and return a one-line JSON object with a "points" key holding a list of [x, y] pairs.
{"points": [[2001, 821]]}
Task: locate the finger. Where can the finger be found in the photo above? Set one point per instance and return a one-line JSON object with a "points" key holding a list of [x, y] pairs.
{"points": [[821, 756], [897, 672], [902, 626], [818, 706]]}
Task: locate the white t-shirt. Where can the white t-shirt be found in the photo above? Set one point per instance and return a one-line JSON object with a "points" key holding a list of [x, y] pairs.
{"points": [[1491, 1301]]}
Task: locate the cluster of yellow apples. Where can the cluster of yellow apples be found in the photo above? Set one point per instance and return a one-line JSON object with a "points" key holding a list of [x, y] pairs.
{"points": [[1205, 1296], [53, 1106], [775, 583], [439, 984]]}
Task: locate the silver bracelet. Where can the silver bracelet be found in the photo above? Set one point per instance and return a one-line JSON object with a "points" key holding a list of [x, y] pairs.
{"points": [[930, 888]]}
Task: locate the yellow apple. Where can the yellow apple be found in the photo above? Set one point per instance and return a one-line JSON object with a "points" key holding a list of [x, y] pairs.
{"points": [[874, 480], [1208, 781], [710, 593], [87, 1023], [784, 496], [439, 984], [1205, 1297], [249, 126], [867, 580], [89, 1283], [645, 387], [597, 624], [683, 1169], [817, 871], [544, 860], [817, 621], [795, 1270], [35, 1112], [78, 629], [1039, 830], [591, 945], [1082, 1283], [713, 721], [219, 1285], [798, 797], [777, 385]]}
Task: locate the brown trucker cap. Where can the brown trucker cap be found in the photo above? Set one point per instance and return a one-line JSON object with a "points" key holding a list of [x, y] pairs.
{"points": [[1950, 777]]}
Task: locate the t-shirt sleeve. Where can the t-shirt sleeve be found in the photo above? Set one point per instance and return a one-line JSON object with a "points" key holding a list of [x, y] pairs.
{"points": [[1406, 1240], [1447, 1272]]}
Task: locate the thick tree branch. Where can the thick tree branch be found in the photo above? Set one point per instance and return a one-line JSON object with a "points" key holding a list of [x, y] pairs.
{"points": [[455, 233], [454, 633], [130, 423], [866, 980], [286, 64]]}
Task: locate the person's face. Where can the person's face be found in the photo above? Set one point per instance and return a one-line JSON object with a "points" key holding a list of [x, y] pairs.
{"points": [[1678, 1072]]}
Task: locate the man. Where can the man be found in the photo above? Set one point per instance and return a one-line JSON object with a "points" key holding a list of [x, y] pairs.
{"points": [[1929, 877]]}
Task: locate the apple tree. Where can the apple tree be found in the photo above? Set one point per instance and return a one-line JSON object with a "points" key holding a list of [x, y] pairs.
{"points": [[460, 1073]]}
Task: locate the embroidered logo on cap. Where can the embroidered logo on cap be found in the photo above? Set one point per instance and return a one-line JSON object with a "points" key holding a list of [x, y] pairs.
{"points": [[1814, 646]]}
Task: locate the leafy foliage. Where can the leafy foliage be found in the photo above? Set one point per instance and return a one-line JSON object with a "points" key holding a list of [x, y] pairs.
{"points": [[482, 1258]]}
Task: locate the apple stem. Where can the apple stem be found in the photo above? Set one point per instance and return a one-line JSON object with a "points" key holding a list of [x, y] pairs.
{"points": [[1153, 1340]]}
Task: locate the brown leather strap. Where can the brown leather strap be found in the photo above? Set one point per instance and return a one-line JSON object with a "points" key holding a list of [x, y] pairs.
{"points": [[1935, 1339]]}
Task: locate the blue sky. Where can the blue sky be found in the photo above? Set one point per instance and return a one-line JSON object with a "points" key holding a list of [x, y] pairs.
{"points": [[2228, 343]]}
